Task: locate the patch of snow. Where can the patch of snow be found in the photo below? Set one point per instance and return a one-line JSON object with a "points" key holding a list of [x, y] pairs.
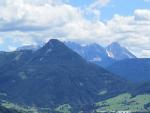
{"points": [[129, 55], [110, 54]]}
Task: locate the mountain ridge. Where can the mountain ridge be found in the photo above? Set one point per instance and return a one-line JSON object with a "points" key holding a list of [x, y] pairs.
{"points": [[100, 55]]}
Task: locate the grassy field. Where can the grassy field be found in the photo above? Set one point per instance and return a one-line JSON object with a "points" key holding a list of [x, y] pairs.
{"points": [[66, 108], [24, 109], [125, 102]]}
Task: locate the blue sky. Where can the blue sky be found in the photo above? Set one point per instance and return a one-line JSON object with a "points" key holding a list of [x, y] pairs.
{"points": [[25, 22], [121, 7]]}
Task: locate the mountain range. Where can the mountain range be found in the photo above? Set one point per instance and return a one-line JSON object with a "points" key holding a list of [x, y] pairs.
{"points": [[28, 47], [55, 75], [65, 78], [94, 53], [100, 55]]}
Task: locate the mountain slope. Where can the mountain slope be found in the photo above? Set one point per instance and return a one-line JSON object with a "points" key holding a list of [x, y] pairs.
{"points": [[6, 57], [10, 61], [117, 52], [56, 75], [143, 88], [136, 70]]}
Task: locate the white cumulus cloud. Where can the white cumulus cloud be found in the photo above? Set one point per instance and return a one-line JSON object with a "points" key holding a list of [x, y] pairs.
{"points": [[1, 40], [31, 21]]}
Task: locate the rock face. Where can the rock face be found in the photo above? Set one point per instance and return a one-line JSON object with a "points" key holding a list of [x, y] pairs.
{"points": [[55, 75], [100, 55], [117, 52], [93, 53]]}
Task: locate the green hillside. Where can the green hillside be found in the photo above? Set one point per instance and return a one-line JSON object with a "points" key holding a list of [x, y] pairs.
{"points": [[125, 102]]}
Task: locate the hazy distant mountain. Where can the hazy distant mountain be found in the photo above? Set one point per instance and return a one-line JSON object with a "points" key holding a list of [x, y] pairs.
{"points": [[100, 55], [117, 52], [56, 75], [97, 51], [93, 53], [136, 70], [28, 47]]}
